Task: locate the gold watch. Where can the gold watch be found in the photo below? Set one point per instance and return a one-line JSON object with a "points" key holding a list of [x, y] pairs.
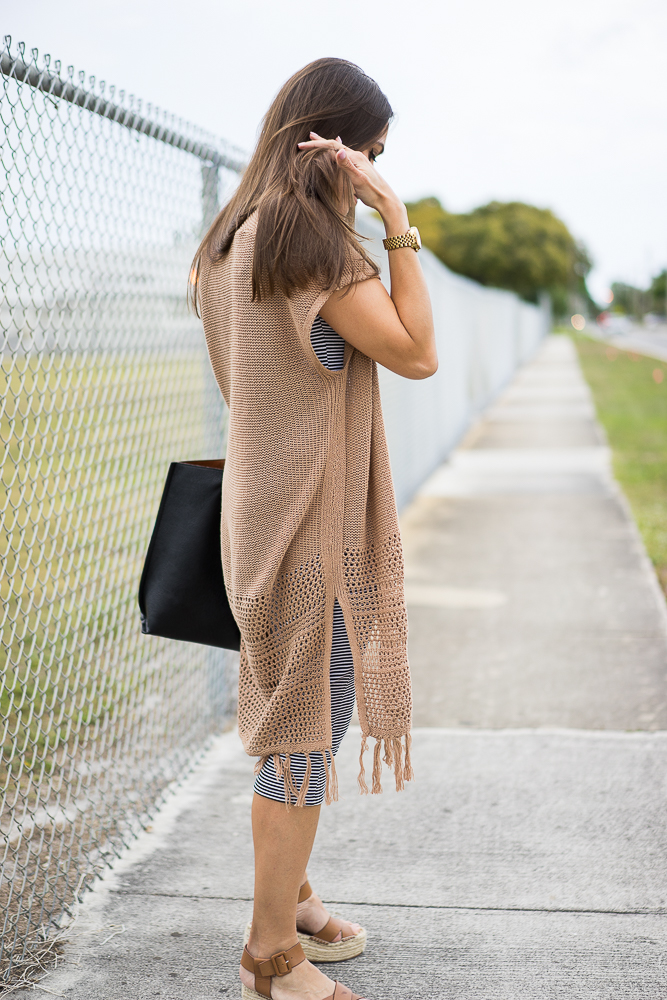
{"points": [[411, 239]]}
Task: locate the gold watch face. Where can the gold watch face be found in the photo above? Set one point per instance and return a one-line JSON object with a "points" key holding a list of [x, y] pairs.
{"points": [[415, 232]]}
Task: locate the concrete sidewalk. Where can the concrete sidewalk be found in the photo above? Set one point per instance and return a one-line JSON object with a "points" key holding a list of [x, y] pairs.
{"points": [[528, 858], [530, 596]]}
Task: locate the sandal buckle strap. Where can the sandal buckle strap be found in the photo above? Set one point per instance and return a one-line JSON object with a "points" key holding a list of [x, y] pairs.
{"points": [[281, 963]]}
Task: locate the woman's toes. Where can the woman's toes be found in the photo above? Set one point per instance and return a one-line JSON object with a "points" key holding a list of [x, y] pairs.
{"points": [[347, 930], [312, 916]]}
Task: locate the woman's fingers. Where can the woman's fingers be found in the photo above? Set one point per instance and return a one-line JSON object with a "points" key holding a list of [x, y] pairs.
{"points": [[347, 162], [314, 135], [341, 151], [368, 185], [318, 143], [346, 158]]}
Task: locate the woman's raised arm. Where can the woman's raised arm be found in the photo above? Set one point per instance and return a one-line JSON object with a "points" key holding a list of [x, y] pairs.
{"points": [[395, 330]]}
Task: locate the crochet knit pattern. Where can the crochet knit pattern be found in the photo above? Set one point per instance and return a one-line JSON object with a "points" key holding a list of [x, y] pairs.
{"points": [[308, 516]]}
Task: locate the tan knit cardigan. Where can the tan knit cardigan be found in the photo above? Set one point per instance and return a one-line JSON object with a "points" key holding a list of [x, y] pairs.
{"points": [[308, 516]]}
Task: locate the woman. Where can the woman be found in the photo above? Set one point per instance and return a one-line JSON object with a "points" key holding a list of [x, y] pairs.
{"points": [[296, 318]]}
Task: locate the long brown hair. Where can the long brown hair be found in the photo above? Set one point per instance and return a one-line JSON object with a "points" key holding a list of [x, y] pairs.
{"points": [[301, 234]]}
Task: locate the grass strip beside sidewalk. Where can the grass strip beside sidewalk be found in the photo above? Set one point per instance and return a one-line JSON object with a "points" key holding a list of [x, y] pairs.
{"points": [[630, 394]]}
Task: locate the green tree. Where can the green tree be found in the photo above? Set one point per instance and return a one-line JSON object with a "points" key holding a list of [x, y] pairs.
{"points": [[658, 292], [639, 301], [630, 300], [509, 245]]}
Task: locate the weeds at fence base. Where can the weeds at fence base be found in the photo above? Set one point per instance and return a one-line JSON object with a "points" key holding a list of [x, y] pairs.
{"points": [[36, 965], [41, 949]]}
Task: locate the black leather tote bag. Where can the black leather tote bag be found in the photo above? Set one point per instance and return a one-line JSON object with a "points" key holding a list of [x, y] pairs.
{"points": [[182, 592]]}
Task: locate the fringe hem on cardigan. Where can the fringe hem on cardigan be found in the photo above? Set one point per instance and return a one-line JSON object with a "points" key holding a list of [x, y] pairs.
{"points": [[297, 796], [395, 757]]}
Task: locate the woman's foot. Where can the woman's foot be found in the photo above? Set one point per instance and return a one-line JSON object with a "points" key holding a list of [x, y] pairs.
{"points": [[323, 938], [304, 982], [312, 916]]}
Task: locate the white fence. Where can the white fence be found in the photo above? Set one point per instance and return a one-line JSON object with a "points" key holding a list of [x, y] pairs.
{"points": [[483, 335]]}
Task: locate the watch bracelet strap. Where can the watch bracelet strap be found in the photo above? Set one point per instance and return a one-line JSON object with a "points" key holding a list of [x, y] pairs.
{"points": [[396, 242]]}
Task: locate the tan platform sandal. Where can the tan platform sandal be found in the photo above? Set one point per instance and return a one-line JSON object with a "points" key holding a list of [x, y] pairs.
{"points": [[264, 969], [321, 947]]}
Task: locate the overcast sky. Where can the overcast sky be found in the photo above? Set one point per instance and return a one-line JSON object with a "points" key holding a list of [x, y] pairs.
{"points": [[560, 105]]}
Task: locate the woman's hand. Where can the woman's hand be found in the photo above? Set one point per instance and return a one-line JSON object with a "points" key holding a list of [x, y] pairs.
{"points": [[368, 184]]}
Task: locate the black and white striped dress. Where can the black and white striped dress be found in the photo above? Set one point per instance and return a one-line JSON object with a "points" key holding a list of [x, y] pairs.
{"points": [[329, 348]]}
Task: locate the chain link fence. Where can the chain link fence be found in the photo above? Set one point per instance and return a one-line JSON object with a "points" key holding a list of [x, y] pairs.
{"points": [[104, 381]]}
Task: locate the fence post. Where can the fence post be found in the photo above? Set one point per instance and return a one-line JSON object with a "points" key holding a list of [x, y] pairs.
{"points": [[210, 206]]}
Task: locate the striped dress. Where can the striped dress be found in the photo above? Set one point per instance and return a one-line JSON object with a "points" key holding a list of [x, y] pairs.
{"points": [[329, 348]]}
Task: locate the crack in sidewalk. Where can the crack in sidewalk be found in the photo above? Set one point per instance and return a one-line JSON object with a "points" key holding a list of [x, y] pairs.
{"points": [[657, 911]]}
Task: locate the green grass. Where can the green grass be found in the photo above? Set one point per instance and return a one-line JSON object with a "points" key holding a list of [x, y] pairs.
{"points": [[630, 393], [88, 440], [94, 718]]}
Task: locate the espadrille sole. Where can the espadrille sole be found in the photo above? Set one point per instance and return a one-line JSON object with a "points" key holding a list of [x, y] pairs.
{"points": [[248, 994], [335, 951], [323, 951]]}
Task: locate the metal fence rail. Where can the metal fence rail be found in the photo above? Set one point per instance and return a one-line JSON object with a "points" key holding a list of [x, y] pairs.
{"points": [[104, 380]]}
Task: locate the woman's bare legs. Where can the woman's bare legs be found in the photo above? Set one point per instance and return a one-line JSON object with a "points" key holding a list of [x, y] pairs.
{"points": [[283, 840]]}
